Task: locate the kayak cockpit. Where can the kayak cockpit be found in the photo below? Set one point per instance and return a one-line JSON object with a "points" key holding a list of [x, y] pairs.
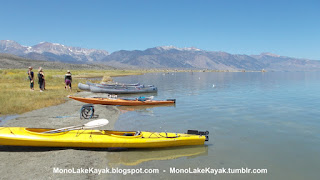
{"points": [[37, 130], [41, 131], [127, 134]]}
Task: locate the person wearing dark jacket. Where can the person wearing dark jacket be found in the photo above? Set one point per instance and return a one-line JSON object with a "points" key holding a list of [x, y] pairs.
{"points": [[68, 80], [41, 79], [31, 76]]}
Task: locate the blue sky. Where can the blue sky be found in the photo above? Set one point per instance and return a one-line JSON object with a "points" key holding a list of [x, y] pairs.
{"points": [[289, 28]]}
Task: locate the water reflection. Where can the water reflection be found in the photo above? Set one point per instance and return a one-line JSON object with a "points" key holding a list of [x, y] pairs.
{"points": [[142, 109], [132, 157]]}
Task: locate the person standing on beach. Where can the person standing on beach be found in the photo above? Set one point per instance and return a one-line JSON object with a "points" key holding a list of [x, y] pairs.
{"points": [[44, 80], [40, 79], [30, 76], [68, 80]]}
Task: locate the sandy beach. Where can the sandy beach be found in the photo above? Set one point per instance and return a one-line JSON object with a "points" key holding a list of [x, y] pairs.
{"points": [[38, 163]]}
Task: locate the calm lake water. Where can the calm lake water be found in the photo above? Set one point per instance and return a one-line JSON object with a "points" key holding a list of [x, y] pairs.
{"points": [[256, 120]]}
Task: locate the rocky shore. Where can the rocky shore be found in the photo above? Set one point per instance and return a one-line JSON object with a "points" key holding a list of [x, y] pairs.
{"points": [[39, 163]]}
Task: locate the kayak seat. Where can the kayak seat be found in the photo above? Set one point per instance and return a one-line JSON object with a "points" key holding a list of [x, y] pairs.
{"points": [[131, 134], [127, 134], [137, 133]]}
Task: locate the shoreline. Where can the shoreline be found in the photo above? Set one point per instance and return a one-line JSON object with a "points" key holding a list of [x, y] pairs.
{"points": [[20, 99], [36, 162], [17, 99], [65, 114]]}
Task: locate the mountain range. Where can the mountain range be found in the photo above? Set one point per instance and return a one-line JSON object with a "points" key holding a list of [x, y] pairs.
{"points": [[53, 52], [9, 61], [159, 57]]}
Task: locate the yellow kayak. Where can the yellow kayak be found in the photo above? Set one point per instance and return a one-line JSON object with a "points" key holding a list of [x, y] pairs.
{"points": [[22, 136]]}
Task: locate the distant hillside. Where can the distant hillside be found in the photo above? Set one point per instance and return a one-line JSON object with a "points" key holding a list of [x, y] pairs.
{"points": [[192, 58], [8, 61], [283, 63], [159, 57]]}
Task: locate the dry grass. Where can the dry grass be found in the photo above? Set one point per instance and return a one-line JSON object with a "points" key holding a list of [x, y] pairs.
{"points": [[16, 97]]}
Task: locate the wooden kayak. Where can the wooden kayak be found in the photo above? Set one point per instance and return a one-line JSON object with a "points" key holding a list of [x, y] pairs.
{"points": [[123, 102], [22, 136]]}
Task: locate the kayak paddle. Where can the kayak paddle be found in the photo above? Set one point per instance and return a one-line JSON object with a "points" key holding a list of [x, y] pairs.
{"points": [[89, 125]]}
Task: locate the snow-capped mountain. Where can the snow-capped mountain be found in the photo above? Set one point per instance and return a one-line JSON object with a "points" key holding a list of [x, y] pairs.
{"points": [[53, 52], [12, 47], [159, 57], [166, 48]]}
